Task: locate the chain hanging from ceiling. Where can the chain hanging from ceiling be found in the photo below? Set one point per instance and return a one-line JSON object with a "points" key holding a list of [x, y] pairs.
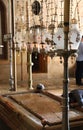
{"points": [[44, 20]]}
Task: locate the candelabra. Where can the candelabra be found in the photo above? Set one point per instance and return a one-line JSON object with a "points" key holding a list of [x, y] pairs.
{"points": [[44, 39]]}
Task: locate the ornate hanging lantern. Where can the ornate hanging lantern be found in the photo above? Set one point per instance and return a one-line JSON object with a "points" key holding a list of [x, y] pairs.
{"points": [[74, 35]]}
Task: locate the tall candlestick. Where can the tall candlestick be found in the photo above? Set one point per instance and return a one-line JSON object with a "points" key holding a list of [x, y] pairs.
{"points": [[65, 117]]}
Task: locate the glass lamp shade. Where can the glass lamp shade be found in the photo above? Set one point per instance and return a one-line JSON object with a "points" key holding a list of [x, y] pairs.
{"points": [[24, 46], [36, 47], [37, 33], [42, 47], [74, 35], [37, 38], [58, 38], [51, 28], [29, 47], [18, 46]]}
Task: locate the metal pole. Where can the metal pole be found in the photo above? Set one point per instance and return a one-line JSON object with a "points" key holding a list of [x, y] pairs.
{"points": [[14, 45], [29, 55], [11, 79], [65, 117], [29, 69], [21, 66]]}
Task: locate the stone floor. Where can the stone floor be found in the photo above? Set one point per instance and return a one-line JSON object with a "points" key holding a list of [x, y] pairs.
{"points": [[55, 89]]}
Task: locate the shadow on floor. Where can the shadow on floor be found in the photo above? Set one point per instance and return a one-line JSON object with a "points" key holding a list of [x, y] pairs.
{"points": [[3, 126]]}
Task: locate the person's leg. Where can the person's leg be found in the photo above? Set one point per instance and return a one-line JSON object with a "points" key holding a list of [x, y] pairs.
{"points": [[78, 73], [81, 69]]}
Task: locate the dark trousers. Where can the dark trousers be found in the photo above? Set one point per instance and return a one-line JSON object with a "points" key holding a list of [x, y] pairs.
{"points": [[79, 71]]}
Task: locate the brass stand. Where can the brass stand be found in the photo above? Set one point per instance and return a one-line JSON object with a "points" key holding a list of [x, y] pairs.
{"points": [[65, 54], [14, 44], [11, 80], [29, 70], [65, 102]]}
